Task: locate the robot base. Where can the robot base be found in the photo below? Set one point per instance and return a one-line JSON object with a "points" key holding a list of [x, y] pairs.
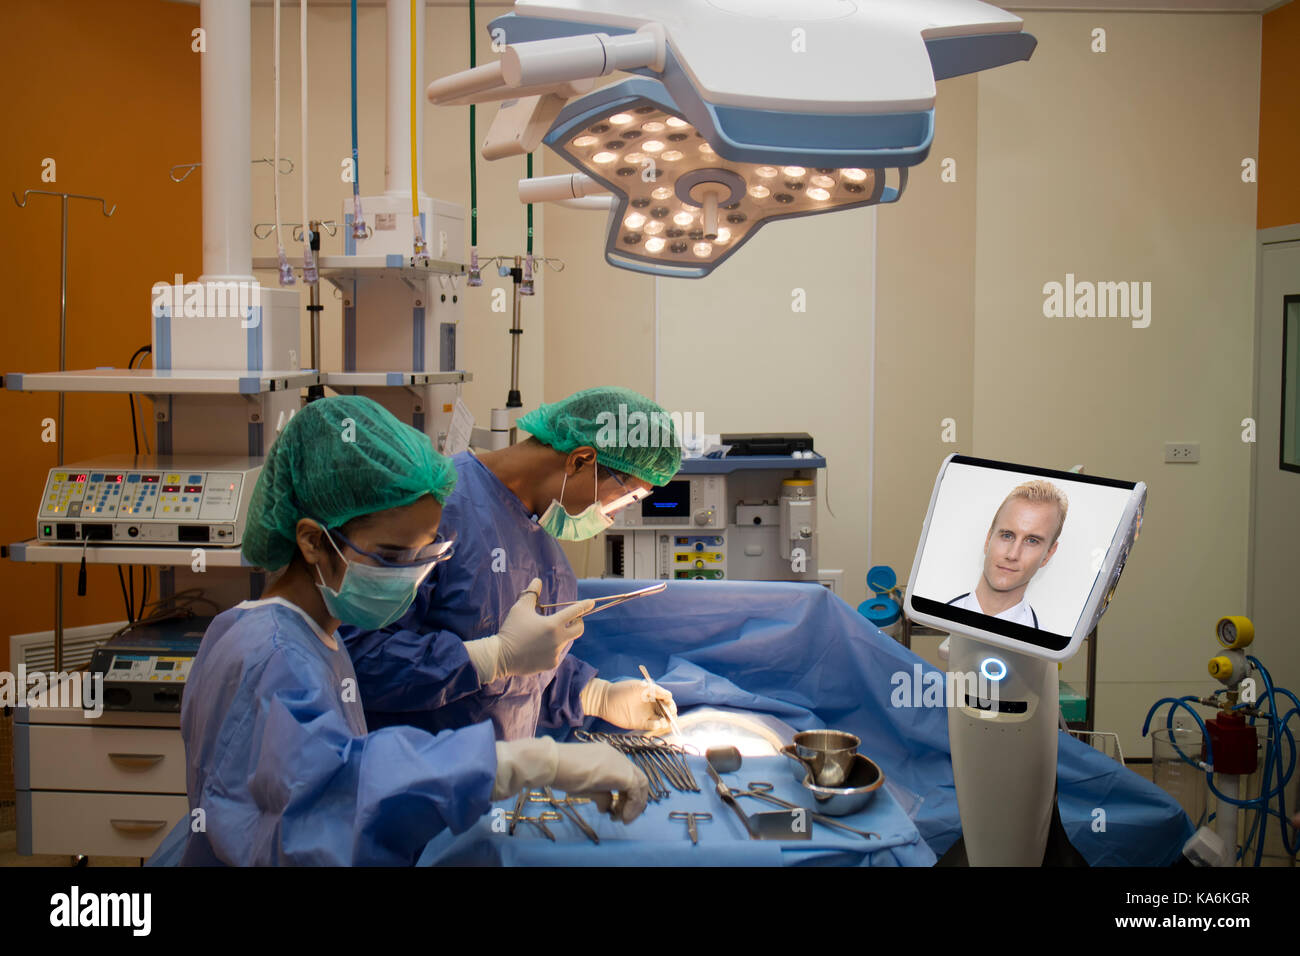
{"points": [[1058, 852]]}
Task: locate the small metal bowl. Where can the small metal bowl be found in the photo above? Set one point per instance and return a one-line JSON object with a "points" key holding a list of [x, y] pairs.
{"points": [[864, 779], [828, 754]]}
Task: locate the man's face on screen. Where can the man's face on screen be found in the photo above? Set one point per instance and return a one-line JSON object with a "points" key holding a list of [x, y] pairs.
{"points": [[1017, 546]]}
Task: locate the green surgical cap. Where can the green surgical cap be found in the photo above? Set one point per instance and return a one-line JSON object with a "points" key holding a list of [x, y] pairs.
{"points": [[630, 433], [336, 459]]}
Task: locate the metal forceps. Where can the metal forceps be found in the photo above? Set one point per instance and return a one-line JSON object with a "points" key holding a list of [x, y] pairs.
{"points": [[669, 760], [565, 806], [763, 791], [690, 819], [611, 600], [538, 821], [514, 816], [657, 789]]}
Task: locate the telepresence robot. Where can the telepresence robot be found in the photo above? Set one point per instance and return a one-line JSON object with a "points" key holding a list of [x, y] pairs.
{"points": [[988, 541]]}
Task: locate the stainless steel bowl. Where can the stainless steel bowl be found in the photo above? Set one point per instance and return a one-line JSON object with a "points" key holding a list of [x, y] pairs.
{"points": [[826, 754], [863, 780]]}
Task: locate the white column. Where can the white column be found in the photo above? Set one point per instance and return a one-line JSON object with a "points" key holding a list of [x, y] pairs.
{"points": [[397, 166], [226, 99]]}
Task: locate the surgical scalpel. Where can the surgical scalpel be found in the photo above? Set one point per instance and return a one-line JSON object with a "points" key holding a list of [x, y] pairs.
{"points": [[672, 721]]}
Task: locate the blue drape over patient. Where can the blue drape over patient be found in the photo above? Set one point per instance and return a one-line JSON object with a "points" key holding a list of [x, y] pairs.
{"points": [[800, 653]]}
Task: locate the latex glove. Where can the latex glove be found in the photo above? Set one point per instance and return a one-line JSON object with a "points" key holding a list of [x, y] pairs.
{"points": [[528, 642], [596, 771], [629, 704]]}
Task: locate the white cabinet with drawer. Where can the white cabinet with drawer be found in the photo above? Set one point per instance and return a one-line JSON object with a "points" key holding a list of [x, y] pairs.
{"points": [[112, 785]]}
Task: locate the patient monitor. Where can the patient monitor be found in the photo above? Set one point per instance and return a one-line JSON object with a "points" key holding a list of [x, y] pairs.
{"points": [[1017, 563]]}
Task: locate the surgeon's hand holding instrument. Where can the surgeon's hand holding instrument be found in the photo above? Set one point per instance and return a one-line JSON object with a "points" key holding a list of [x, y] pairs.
{"points": [[670, 711], [664, 764], [528, 642], [630, 704], [565, 807], [593, 770]]}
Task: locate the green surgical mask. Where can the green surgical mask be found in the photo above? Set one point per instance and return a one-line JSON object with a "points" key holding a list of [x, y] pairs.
{"points": [[563, 526], [371, 597]]}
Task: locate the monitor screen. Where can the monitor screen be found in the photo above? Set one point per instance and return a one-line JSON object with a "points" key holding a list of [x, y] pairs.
{"points": [[673, 500], [1024, 553]]}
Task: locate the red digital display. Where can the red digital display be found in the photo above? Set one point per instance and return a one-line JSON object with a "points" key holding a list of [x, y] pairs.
{"points": [[171, 488], [81, 478], [149, 479], [193, 489], [116, 479]]}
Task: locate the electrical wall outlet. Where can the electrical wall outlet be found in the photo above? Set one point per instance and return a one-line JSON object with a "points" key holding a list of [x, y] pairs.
{"points": [[1182, 451]]}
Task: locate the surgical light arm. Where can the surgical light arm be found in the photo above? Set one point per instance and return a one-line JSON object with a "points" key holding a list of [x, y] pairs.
{"points": [[563, 66]]}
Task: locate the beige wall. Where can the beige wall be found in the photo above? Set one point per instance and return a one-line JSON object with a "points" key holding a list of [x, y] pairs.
{"points": [[1126, 166], [925, 331]]}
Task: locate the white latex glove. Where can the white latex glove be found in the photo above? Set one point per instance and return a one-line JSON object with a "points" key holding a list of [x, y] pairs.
{"points": [[528, 642], [629, 704], [590, 770]]}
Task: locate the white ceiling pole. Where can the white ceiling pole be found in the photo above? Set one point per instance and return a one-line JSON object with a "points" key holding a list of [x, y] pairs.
{"points": [[226, 100], [397, 165]]}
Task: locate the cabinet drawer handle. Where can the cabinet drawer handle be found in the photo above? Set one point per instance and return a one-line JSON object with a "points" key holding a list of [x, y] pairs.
{"points": [[144, 827], [135, 761]]}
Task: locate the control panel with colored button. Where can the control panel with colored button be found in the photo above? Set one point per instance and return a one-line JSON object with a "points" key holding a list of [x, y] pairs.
{"points": [[148, 501]]}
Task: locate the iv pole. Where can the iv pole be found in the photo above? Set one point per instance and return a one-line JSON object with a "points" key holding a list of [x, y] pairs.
{"points": [[63, 367]]}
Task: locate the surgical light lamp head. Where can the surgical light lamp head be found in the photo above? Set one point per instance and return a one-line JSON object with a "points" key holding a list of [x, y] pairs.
{"points": [[744, 111], [679, 207]]}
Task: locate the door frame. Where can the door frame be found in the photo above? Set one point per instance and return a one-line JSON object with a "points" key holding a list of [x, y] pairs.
{"points": [[1264, 239]]}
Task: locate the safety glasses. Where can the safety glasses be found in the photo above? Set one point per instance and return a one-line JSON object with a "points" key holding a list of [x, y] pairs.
{"points": [[440, 550], [632, 496]]}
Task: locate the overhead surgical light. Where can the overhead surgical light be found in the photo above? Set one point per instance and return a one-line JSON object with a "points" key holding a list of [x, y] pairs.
{"points": [[744, 111]]}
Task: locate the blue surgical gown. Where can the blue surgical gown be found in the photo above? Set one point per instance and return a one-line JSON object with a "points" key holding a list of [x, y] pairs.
{"points": [[278, 757], [417, 671]]}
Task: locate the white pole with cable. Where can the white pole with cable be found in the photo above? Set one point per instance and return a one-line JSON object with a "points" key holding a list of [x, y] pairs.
{"points": [[309, 274], [286, 270]]}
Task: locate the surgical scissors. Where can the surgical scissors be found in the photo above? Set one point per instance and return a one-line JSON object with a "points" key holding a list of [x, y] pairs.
{"points": [[761, 790]]}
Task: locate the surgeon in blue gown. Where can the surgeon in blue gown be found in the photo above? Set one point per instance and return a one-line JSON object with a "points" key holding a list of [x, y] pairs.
{"points": [[281, 767], [472, 647]]}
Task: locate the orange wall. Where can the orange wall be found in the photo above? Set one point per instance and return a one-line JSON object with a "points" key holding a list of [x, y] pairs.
{"points": [[110, 91], [1279, 119]]}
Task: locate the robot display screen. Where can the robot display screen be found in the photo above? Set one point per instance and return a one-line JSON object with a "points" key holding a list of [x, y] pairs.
{"points": [[1017, 550]]}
